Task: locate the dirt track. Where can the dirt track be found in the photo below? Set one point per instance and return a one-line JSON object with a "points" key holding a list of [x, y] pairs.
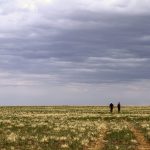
{"points": [[142, 143]]}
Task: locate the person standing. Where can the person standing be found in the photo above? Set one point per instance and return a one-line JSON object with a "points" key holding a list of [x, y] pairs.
{"points": [[111, 106], [119, 107]]}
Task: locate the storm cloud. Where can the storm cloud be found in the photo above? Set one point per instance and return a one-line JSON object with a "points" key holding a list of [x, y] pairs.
{"points": [[72, 46]]}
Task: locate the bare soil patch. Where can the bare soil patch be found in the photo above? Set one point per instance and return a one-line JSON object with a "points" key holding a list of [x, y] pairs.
{"points": [[99, 143], [142, 143]]}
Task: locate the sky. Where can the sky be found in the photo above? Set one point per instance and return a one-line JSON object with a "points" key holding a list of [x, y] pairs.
{"points": [[74, 52]]}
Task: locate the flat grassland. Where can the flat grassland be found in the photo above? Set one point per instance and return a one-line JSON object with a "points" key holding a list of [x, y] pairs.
{"points": [[74, 128]]}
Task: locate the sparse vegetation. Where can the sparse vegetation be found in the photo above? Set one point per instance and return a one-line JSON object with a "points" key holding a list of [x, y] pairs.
{"points": [[75, 128]]}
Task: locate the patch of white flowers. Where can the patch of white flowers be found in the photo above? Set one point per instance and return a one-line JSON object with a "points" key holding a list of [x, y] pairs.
{"points": [[62, 126], [12, 137], [145, 125]]}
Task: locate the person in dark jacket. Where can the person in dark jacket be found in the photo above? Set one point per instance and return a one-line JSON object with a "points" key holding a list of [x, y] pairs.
{"points": [[119, 107], [111, 106]]}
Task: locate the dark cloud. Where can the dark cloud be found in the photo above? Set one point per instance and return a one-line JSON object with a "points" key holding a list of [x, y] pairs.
{"points": [[102, 43], [112, 43]]}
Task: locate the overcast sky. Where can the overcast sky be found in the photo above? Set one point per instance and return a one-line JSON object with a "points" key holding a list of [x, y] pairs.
{"points": [[74, 52]]}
